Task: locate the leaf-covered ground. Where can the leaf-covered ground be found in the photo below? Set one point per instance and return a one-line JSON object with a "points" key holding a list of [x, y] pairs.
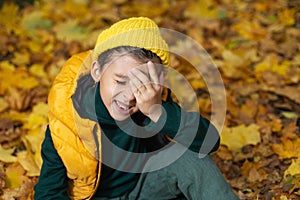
{"points": [[255, 45]]}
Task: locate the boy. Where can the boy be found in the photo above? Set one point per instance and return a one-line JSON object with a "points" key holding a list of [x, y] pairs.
{"points": [[110, 134]]}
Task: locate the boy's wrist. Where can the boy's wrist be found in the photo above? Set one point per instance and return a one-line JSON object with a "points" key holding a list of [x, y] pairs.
{"points": [[155, 112]]}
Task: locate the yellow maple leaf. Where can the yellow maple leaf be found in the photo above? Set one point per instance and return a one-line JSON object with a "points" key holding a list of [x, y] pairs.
{"points": [[7, 66], [21, 58], [14, 175], [250, 30], [24, 80], [138, 7], [7, 70], [34, 120], [3, 104], [288, 148], [27, 161], [41, 109], [21, 78], [294, 168], [202, 9], [38, 70], [31, 139], [37, 117], [237, 137], [15, 116], [9, 15], [271, 63], [6, 155], [75, 7], [287, 17]]}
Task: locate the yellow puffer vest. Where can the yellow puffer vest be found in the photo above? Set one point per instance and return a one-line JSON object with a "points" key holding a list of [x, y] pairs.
{"points": [[72, 136]]}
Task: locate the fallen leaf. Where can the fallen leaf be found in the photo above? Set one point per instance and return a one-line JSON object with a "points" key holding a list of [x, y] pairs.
{"points": [[237, 137], [270, 63], [14, 175], [283, 197], [33, 141], [76, 8], [288, 148], [294, 168], [202, 9], [35, 20], [70, 31], [247, 111], [9, 15], [21, 58], [34, 121], [224, 153], [6, 155], [254, 176], [251, 30], [8, 132], [287, 17], [15, 116], [27, 161], [3, 104], [293, 183], [38, 70], [134, 8], [290, 115], [41, 109]]}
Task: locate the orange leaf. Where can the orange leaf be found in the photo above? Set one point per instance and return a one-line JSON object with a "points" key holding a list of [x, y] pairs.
{"points": [[288, 148], [287, 17]]}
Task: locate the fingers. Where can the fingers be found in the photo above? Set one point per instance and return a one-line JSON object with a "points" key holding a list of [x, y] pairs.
{"points": [[152, 72], [146, 86], [138, 80], [145, 78], [161, 81]]}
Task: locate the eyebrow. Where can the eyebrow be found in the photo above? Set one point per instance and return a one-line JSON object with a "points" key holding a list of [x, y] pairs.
{"points": [[121, 76]]}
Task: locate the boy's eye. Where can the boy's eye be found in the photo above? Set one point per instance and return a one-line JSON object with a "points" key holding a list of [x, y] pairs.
{"points": [[120, 82]]}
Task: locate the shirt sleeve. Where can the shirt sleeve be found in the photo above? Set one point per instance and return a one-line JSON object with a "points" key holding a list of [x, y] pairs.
{"points": [[52, 182], [188, 128]]}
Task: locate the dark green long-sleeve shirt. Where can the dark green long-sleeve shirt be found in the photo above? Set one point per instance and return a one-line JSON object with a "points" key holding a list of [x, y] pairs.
{"points": [[187, 128]]}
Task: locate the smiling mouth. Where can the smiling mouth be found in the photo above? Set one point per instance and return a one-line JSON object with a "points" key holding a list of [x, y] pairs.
{"points": [[123, 106]]}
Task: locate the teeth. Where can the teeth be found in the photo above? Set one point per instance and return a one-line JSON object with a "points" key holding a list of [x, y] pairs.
{"points": [[122, 107]]}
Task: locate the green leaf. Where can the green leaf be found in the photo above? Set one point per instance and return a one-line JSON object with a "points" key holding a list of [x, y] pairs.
{"points": [[290, 115], [35, 20], [71, 31]]}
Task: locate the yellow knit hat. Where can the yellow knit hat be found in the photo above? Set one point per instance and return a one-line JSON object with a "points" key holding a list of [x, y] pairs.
{"points": [[139, 32]]}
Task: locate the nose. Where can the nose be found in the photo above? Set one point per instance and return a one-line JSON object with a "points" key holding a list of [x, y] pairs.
{"points": [[128, 94]]}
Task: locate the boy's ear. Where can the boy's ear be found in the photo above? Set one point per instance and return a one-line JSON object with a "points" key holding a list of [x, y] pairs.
{"points": [[96, 71]]}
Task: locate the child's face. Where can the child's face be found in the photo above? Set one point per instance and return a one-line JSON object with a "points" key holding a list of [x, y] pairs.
{"points": [[115, 88]]}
